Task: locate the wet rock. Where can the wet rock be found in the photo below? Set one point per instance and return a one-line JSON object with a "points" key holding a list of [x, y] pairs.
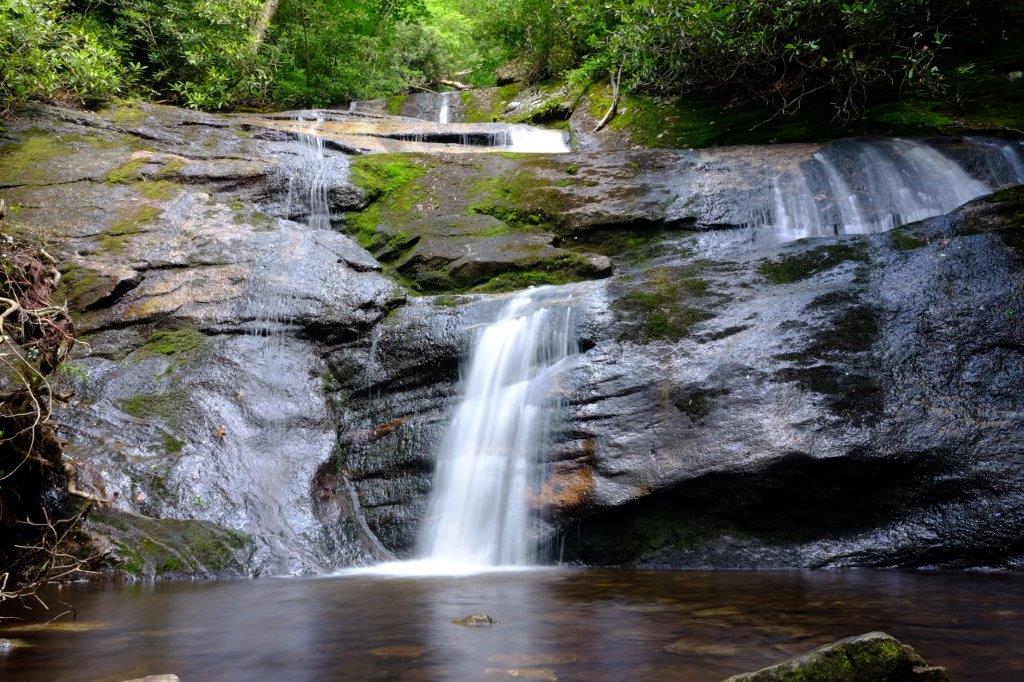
{"points": [[206, 305], [716, 418], [874, 657], [475, 620], [520, 674], [156, 678]]}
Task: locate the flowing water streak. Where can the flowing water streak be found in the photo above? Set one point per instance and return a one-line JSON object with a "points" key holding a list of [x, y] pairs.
{"points": [[864, 186], [479, 508], [444, 115], [529, 139], [316, 169]]}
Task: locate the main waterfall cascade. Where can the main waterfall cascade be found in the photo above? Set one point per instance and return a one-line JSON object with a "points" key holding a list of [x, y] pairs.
{"points": [[479, 507], [479, 514], [863, 186]]}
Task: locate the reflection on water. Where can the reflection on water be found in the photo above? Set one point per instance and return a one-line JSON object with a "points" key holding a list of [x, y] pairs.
{"points": [[593, 625]]}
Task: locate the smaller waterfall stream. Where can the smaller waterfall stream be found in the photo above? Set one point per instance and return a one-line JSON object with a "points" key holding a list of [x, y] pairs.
{"points": [[444, 114], [315, 169], [862, 186]]}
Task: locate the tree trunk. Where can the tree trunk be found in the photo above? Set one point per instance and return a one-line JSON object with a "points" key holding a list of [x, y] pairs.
{"points": [[259, 29]]}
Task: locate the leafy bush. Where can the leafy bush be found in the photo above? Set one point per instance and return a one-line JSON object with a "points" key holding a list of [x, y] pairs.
{"points": [[777, 51], [47, 54], [198, 52]]}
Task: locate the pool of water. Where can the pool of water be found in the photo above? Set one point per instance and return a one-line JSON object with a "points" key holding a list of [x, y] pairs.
{"points": [[564, 624]]}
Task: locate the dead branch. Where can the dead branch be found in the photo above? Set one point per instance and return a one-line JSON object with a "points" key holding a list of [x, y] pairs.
{"points": [[453, 84], [613, 109]]}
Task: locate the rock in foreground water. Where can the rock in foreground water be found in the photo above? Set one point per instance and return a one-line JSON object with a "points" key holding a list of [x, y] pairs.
{"points": [[874, 657], [476, 620]]}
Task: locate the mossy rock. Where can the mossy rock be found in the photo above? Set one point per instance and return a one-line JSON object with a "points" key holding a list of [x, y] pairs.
{"points": [[131, 223], [442, 224], [789, 269], [154, 548], [171, 343], [664, 303], [169, 407], [872, 657]]}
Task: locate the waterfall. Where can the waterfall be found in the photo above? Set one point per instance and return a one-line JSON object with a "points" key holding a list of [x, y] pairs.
{"points": [[863, 186], [479, 506], [444, 115], [311, 177], [528, 139]]}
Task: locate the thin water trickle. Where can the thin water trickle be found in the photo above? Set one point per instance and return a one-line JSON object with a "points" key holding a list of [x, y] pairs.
{"points": [[479, 508], [314, 171]]}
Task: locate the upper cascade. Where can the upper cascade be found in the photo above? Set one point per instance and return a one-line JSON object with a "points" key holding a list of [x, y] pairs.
{"points": [[860, 186]]}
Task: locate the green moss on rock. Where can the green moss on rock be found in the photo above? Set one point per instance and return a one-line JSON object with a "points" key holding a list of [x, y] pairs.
{"points": [[801, 266], [904, 241], [872, 657], [170, 407], [154, 548], [665, 304], [171, 342], [117, 236], [27, 162]]}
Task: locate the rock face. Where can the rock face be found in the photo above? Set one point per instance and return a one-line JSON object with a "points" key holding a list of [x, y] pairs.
{"points": [[202, 395], [874, 657], [829, 402], [259, 396]]}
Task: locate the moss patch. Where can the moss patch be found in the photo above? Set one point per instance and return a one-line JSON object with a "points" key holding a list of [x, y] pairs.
{"points": [[903, 241], [485, 106], [115, 238], [152, 548], [169, 407], [27, 161], [128, 172], [801, 266], [665, 304], [171, 342]]}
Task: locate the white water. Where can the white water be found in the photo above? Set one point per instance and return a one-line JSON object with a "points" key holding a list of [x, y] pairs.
{"points": [[857, 186], [478, 515], [527, 139], [310, 180], [444, 115]]}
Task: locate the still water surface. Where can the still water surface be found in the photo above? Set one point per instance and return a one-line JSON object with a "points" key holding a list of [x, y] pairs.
{"points": [[569, 624]]}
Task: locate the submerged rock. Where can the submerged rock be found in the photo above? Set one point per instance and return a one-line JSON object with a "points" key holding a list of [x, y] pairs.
{"points": [[873, 657]]}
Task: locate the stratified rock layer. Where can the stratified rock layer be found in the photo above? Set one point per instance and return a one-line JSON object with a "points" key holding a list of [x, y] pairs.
{"points": [[847, 400]]}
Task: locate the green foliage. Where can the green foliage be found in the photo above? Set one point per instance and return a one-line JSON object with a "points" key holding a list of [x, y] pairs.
{"points": [[336, 50], [200, 53], [48, 54], [781, 52]]}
